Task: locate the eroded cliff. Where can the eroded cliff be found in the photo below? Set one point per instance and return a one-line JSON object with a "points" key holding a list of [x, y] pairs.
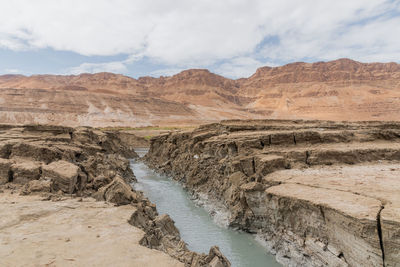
{"points": [[319, 193], [72, 166]]}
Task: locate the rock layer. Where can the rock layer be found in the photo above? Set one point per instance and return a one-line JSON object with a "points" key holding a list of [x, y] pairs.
{"points": [[337, 90], [61, 159], [55, 161], [320, 193]]}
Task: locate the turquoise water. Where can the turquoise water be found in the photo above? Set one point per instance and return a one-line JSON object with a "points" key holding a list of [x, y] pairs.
{"points": [[196, 226]]}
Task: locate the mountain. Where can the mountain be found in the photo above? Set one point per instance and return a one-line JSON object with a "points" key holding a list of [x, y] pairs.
{"points": [[337, 90]]}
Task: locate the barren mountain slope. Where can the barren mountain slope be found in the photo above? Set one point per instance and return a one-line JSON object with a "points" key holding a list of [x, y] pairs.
{"points": [[336, 90]]}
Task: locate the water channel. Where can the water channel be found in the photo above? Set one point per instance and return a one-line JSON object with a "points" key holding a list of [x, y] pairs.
{"points": [[196, 226]]}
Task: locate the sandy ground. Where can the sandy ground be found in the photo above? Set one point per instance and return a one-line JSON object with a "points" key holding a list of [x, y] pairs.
{"points": [[70, 232]]}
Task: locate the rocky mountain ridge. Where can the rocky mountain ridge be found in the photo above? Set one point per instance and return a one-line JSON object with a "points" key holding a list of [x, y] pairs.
{"points": [[337, 90]]}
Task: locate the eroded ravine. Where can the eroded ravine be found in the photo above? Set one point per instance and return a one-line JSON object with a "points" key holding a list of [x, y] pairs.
{"points": [[314, 189], [196, 226]]}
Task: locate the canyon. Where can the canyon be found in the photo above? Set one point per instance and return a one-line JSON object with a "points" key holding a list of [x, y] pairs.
{"points": [[66, 200], [337, 90], [320, 193]]}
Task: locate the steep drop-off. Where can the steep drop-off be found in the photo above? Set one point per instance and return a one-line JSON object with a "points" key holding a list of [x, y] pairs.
{"points": [[320, 193], [337, 90]]}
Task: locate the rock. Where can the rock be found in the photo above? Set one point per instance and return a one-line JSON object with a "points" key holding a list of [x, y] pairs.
{"points": [[117, 192], [390, 232], [101, 169], [216, 262], [36, 186], [63, 174], [95, 154], [25, 171], [237, 178], [100, 181], [35, 151], [166, 225], [252, 186], [5, 171], [216, 259]]}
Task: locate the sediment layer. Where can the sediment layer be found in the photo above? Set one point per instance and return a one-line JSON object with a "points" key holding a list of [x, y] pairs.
{"points": [[320, 193], [342, 89], [61, 163]]}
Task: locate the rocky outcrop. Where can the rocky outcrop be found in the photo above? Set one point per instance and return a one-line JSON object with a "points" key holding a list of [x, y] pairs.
{"points": [[161, 234], [25, 171], [63, 160], [320, 193], [55, 161], [118, 191], [64, 176]]}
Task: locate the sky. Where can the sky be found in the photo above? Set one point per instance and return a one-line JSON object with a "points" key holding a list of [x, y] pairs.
{"points": [[159, 37]]}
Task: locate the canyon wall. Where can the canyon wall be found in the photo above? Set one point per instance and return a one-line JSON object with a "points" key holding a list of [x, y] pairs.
{"points": [[319, 193]]}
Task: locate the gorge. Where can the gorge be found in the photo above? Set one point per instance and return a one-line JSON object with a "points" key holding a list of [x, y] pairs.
{"points": [[195, 224], [321, 193]]}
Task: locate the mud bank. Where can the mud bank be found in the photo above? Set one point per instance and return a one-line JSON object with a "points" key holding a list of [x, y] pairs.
{"points": [[320, 193]]}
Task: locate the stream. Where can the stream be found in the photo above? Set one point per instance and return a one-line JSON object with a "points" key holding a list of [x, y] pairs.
{"points": [[198, 229]]}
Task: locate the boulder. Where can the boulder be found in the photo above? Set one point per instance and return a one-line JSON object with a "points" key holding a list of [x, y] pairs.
{"points": [[117, 192], [5, 168], [216, 262], [63, 174], [166, 225], [216, 259], [25, 171], [36, 186]]}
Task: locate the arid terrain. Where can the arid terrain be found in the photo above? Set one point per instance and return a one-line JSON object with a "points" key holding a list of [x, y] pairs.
{"points": [[50, 180], [320, 193], [337, 90], [91, 234]]}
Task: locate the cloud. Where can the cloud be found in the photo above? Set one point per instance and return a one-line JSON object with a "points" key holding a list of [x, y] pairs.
{"points": [[12, 71], [204, 33], [240, 67], [116, 66]]}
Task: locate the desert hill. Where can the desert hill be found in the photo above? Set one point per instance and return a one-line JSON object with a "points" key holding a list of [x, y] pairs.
{"points": [[337, 90]]}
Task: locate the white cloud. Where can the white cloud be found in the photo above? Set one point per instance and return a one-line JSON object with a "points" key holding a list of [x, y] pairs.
{"points": [[241, 67], [115, 66], [183, 33], [12, 71]]}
